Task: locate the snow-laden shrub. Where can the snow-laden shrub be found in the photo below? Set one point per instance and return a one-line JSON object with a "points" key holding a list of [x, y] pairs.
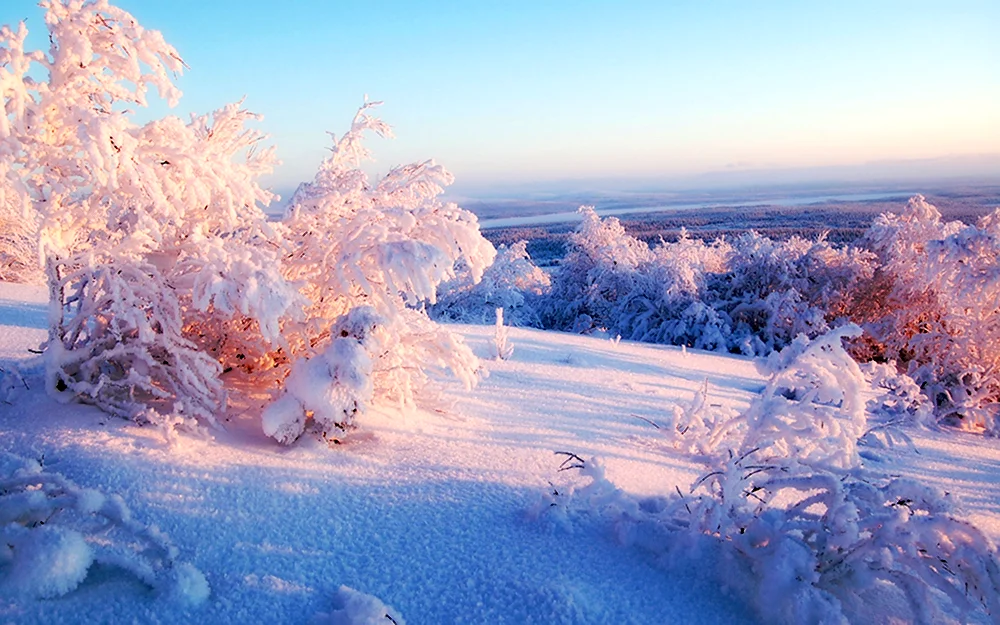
{"points": [[807, 544], [152, 235], [512, 282], [812, 407], [797, 525], [941, 311], [772, 291], [387, 245], [670, 302], [52, 532], [169, 289], [119, 344], [610, 280], [384, 248], [751, 295], [599, 269]]}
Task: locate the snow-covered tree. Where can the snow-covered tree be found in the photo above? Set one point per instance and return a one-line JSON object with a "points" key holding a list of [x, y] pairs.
{"points": [[513, 282], [383, 248]]}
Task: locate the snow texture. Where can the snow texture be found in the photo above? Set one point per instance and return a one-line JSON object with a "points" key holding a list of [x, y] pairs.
{"points": [[45, 561], [352, 607]]}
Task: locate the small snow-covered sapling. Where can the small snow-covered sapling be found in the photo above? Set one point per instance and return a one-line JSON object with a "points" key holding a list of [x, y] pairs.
{"points": [[502, 349]]}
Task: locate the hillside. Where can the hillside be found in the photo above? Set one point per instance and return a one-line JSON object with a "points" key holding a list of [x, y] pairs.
{"points": [[431, 512]]}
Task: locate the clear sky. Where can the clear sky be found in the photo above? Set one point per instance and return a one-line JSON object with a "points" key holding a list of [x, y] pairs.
{"points": [[509, 91]]}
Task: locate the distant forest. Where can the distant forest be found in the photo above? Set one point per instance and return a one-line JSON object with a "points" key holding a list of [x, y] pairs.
{"points": [[843, 221]]}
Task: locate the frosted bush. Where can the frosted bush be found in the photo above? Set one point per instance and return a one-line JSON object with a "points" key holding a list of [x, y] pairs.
{"points": [[613, 281], [147, 231], [811, 409], [169, 289], [668, 303], [750, 295], [52, 532], [808, 543], [772, 291], [599, 269], [119, 344], [511, 282], [943, 306], [798, 526], [384, 248]]}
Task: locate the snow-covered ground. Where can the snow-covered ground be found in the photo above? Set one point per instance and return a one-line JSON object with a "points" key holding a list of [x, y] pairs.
{"points": [[429, 512]]}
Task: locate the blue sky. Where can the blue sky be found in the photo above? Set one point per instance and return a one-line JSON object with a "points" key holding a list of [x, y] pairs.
{"points": [[513, 92]]}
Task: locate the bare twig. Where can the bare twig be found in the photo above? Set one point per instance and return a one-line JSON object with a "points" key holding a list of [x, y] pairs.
{"points": [[572, 461], [703, 478], [649, 421], [681, 495]]}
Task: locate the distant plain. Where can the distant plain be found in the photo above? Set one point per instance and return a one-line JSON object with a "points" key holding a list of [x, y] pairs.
{"points": [[777, 212]]}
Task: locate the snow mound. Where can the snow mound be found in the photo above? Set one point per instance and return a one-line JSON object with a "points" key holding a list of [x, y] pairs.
{"points": [[44, 561], [352, 607], [52, 531]]}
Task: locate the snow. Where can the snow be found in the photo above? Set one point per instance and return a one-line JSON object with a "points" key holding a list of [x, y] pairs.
{"points": [[45, 561], [425, 511], [357, 608]]}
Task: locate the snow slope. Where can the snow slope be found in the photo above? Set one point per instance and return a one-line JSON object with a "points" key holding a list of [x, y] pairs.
{"points": [[428, 512]]}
